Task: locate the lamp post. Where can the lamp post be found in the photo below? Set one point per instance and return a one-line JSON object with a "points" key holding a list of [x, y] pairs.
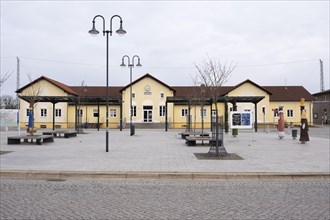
{"points": [[85, 90], [130, 66], [94, 32]]}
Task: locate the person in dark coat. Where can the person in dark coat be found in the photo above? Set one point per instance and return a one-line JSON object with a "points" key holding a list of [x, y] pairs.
{"points": [[303, 128]]}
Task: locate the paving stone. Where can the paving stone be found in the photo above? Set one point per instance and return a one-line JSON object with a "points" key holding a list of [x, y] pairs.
{"points": [[159, 199]]}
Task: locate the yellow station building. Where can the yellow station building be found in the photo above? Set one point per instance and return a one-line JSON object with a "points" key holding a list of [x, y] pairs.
{"points": [[155, 104]]}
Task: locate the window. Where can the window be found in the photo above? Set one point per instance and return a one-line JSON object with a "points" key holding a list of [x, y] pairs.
{"points": [[43, 112], [263, 110], [113, 113], [134, 110], [289, 113], [95, 113], [162, 110], [79, 112], [161, 95], [214, 113], [133, 95], [203, 112], [184, 112], [58, 112], [275, 112], [27, 112]]}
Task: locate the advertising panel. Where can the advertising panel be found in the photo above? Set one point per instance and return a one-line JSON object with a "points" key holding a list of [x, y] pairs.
{"points": [[240, 120]]}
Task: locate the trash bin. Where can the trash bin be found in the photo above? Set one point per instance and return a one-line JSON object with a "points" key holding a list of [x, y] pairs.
{"points": [[294, 133], [132, 130], [234, 132]]}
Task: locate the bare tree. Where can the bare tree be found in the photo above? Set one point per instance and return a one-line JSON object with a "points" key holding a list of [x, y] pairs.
{"points": [[4, 78], [214, 74], [8, 102], [200, 97], [31, 96]]}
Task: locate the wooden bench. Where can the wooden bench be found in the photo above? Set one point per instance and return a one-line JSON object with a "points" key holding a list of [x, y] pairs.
{"points": [[65, 133], [191, 133], [191, 141], [26, 138]]}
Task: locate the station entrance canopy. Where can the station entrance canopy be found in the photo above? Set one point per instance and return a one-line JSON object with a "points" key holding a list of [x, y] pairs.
{"points": [[222, 99]]}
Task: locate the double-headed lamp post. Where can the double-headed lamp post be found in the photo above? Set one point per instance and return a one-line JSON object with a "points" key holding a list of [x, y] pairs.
{"points": [[130, 66], [94, 32]]}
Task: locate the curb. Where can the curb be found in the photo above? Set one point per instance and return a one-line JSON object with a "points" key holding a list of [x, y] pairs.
{"points": [[66, 175]]}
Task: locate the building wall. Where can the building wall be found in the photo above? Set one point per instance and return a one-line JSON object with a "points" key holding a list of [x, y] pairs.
{"points": [[180, 121], [114, 119], [295, 107], [152, 97], [45, 89], [144, 97], [321, 108]]}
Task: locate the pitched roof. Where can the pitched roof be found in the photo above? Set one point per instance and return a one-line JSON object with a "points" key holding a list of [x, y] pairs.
{"points": [[277, 93], [145, 76], [97, 91], [251, 82], [186, 91], [289, 93], [62, 86], [322, 93]]}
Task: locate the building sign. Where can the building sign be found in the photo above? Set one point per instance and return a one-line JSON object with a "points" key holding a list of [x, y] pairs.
{"points": [[240, 120]]}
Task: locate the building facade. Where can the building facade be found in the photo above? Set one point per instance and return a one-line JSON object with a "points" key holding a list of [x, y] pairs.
{"points": [[321, 107], [156, 104]]}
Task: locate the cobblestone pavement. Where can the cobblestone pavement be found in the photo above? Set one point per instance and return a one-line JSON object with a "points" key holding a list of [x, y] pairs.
{"points": [[154, 199]]}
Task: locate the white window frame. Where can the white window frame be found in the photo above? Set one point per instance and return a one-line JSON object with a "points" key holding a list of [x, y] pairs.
{"points": [[214, 113], [289, 113], [58, 112], [95, 111], [134, 111], [162, 111], [43, 112], [133, 95], [162, 95], [184, 112], [79, 112], [113, 113], [203, 112]]}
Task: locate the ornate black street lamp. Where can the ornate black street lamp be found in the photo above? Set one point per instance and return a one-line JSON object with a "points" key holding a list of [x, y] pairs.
{"points": [[120, 31], [130, 66]]}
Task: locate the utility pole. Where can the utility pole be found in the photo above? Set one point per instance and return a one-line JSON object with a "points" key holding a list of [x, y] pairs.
{"points": [[18, 80], [17, 100], [321, 76]]}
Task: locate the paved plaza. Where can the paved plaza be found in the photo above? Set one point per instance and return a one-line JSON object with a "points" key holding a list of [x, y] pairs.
{"points": [[159, 151], [167, 199]]}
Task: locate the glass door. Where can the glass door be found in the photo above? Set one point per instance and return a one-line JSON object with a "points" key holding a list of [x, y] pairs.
{"points": [[147, 114]]}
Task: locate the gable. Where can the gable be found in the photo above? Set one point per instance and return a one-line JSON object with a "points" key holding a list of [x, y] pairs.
{"points": [[150, 77], [248, 89], [46, 83]]}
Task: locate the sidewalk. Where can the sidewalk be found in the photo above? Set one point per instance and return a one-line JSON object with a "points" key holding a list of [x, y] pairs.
{"points": [[157, 154]]}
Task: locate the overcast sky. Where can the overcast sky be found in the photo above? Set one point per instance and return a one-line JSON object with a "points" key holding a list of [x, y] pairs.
{"points": [[274, 42]]}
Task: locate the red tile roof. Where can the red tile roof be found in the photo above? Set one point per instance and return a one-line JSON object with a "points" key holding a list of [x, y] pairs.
{"points": [[288, 93], [97, 91], [145, 76], [62, 86], [277, 93]]}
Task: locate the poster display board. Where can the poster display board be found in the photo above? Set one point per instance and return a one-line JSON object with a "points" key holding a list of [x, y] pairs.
{"points": [[241, 120]]}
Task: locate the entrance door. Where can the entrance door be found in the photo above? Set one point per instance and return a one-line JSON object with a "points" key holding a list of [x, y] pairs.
{"points": [[147, 113]]}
